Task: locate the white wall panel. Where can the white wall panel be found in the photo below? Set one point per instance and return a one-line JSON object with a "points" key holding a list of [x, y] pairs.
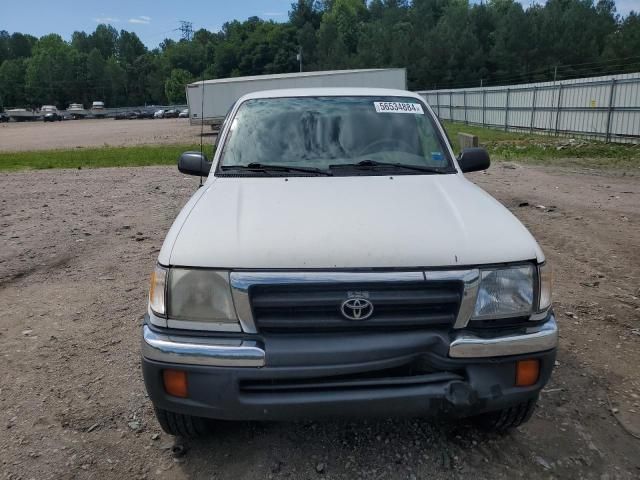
{"points": [[606, 107]]}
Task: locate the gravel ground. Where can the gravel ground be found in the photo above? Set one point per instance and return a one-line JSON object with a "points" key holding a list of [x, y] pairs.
{"points": [[77, 249], [31, 136]]}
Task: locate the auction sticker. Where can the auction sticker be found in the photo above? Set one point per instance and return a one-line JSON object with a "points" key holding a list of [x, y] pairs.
{"points": [[398, 107]]}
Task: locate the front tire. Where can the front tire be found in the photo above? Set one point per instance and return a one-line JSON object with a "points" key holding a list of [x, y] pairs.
{"points": [[180, 425], [501, 421]]}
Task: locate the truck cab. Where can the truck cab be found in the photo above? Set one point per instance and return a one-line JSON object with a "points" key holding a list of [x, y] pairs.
{"points": [[337, 262]]}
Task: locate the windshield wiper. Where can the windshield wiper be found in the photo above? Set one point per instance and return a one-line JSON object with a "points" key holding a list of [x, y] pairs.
{"points": [[265, 167], [374, 163]]}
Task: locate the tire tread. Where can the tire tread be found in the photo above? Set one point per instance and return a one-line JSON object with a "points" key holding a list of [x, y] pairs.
{"points": [[508, 418], [181, 425]]}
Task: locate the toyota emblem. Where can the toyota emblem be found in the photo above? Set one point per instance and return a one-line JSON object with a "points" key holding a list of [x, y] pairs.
{"points": [[356, 308]]}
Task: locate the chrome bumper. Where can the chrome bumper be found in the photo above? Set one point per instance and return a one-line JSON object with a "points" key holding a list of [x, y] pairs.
{"points": [[220, 352], [539, 339], [224, 352]]}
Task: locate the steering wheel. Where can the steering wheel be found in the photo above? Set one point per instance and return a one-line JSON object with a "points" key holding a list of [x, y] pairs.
{"points": [[376, 144]]}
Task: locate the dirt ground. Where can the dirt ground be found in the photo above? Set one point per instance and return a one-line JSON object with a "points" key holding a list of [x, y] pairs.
{"points": [[77, 249], [31, 136]]}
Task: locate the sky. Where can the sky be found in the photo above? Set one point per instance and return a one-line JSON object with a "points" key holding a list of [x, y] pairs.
{"points": [[153, 21]]}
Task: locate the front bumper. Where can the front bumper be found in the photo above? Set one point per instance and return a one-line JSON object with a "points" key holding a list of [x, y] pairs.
{"points": [[250, 353], [297, 376]]}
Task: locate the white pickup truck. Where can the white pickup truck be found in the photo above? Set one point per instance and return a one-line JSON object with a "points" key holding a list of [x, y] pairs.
{"points": [[337, 262]]}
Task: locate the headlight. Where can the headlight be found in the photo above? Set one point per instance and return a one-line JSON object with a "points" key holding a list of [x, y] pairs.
{"points": [[157, 291], [200, 299], [505, 292]]}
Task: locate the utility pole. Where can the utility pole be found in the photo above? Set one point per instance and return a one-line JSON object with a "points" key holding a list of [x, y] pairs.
{"points": [[299, 57], [186, 29]]}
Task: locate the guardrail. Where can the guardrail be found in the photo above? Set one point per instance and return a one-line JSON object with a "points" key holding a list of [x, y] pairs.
{"points": [[110, 112]]}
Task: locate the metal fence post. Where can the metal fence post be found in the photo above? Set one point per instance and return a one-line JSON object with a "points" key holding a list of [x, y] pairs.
{"points": [[450, 106], [484, 105], [506, 112], [533, 109], [612, 90], [438, 102], [558, 107], [465, 106]]}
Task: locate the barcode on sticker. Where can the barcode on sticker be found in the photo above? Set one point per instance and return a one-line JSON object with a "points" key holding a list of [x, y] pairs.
{"points": [[398, 107]]}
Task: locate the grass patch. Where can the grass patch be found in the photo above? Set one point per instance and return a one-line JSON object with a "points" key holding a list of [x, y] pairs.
{"points": [[548, 150], [136, 156], [520, 147]]}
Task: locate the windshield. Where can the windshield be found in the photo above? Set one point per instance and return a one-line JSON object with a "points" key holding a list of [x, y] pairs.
{"points": [[340, 135]]}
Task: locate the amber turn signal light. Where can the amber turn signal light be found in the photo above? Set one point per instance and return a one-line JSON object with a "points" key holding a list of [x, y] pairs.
{"points": [[527, 372], [175, 383]]}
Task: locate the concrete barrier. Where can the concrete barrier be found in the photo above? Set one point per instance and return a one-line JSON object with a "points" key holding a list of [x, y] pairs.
{"points": [[467, 140]]}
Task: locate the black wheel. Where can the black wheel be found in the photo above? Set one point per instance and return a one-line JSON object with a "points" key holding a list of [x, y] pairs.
{"points": [[508, 418], [181, 425]]}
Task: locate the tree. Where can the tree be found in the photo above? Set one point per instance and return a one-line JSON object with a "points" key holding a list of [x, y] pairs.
{"points": [[513, 43], [338, 33], [12, 73], [305, 16], [115, 79], [156, 78], [175, 85], [105, 39], [20, 46], [186, 55], [80, 42], [95, 74], [4, 46], [624, 43], [49, 71], [129, 47]]}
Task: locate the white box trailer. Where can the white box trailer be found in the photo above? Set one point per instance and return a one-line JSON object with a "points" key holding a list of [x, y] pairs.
{"points": [[220, 94]]}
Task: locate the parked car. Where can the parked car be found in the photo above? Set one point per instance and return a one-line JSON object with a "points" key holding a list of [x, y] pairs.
{"points": [[184, 113], [171, 113], [134, 114], [121, 116], [4, 118], [353, 270], [146, 114], [52, 117], [158, 114]]}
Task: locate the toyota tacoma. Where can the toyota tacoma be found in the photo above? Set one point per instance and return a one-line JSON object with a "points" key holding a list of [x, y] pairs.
{"points": [[337, 262]]}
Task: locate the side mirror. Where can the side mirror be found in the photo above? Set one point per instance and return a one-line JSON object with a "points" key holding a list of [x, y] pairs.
{"points": [[474, 159], [194, 163]]}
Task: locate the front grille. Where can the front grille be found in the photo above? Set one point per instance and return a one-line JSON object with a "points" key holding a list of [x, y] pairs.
{"points": [[316, 307]]}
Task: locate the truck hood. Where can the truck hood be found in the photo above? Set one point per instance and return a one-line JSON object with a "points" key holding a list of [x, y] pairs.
{"points": [[402, 221]]}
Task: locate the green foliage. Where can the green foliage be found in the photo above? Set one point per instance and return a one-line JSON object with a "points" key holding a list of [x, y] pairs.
{"points": [[95, 157], [549, 150], [49, 74], [176, 84], [12, 74], [442, 43]]}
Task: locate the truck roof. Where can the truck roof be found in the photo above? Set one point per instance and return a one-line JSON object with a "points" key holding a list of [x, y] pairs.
{"points": [[288, 75], [331, 92]]}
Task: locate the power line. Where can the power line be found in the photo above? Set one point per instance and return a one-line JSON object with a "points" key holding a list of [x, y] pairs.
{"points": [[157, 34], [599, 62], [526, 77]]}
